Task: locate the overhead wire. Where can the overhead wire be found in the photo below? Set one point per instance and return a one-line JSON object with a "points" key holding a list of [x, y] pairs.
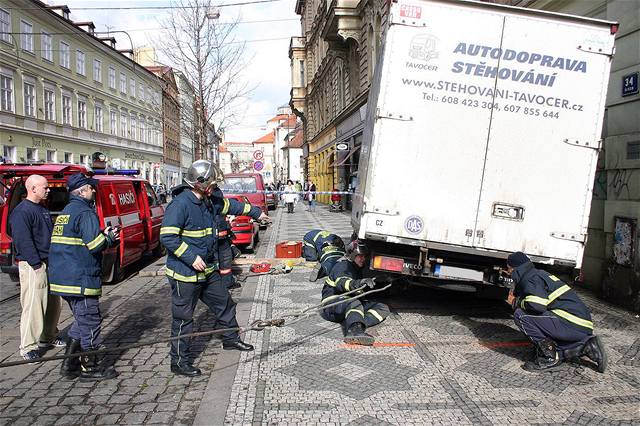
{"points": [[148, 7]]}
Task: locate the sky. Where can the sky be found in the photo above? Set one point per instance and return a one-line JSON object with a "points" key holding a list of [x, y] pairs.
{"points": [[268, 70]]}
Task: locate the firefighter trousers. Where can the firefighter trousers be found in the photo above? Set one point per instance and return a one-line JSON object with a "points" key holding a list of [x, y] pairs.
{"points": [[550, 326], [349, 313], [225, 261], [87, 321], [184, 297]]}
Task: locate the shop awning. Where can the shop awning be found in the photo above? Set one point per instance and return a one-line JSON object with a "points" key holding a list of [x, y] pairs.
{"points": [[345, 159]]}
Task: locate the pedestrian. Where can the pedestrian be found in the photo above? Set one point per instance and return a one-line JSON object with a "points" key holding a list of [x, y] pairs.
{"points": [[188, 233], [75, 273], [224, 206], [356, 315], [311, 196], [552, 315], [31, 228], [298, 189], [289, 196]]}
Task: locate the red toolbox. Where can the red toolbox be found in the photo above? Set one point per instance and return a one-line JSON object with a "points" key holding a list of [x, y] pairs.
{"points": [[288, 249]]}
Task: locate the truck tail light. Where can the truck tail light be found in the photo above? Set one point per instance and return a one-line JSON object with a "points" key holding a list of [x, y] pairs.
{"points": [[5, 247], [388, 263]]}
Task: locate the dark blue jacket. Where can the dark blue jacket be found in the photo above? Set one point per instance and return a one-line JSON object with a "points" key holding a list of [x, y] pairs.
{"points": [[224, 207], [31, 228], [341, 279], [75, 256], [329, 257], [314, 239], [538, 292]]}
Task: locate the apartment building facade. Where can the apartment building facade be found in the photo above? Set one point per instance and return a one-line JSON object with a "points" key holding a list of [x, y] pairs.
{"points": [[65, 93]]}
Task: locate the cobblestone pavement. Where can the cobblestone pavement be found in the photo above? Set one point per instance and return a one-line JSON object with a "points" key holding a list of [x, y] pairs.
{"points": [[446, 358]]}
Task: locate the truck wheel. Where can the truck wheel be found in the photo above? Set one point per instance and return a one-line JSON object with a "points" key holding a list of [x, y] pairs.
{"points": [[159, 251]]}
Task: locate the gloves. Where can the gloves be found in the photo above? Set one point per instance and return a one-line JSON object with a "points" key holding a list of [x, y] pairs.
{"points": [[113, 236], [365, 283]]}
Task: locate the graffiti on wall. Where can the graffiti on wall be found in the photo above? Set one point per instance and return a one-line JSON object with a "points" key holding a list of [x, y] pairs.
{"points": [[624, 240]]}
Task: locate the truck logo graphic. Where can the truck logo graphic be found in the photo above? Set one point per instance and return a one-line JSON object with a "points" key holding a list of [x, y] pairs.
{"points": [[423, 47], [414, 225]]}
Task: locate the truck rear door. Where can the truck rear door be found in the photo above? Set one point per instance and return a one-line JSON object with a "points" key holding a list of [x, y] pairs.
{"points": [[430, 132], [542, 145], [153, 213], [133, 237]]}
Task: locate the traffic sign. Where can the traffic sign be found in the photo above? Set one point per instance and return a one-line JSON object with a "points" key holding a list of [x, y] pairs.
{"points": [[258, 165], [258, 155]]}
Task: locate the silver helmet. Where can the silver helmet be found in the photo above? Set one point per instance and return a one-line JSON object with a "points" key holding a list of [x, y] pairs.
{"points": [[202, 174]]}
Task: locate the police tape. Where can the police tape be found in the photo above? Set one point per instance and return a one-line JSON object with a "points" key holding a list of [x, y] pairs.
{"points": [[261, 191]]}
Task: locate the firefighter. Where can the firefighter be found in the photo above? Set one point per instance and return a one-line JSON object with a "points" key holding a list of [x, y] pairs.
{"points": [[75, 273], [224, 206], [552, 315], [331, 252], [189, 233], [355, 315], [313, 242]]}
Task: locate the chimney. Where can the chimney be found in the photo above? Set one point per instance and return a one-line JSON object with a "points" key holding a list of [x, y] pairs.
{"points": [[111, 41], [90, 27], [62, 10]]}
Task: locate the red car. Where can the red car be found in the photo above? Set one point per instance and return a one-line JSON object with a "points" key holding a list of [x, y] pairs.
{"points": [[246, 231]]}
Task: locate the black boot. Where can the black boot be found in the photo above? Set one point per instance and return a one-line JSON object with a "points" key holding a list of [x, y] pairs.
{"points": [[185, 370], [548, 357], [356, 335], [91, 369], [594, 350], [70, 368]]}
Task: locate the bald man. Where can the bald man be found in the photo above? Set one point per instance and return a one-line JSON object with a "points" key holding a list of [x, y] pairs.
{"points": [[31, 228]]}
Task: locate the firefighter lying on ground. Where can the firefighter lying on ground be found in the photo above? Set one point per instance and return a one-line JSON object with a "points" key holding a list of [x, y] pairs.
{"points": [[314, 240], [224, 206], [356, 315], [331, 252], [552, 315]]}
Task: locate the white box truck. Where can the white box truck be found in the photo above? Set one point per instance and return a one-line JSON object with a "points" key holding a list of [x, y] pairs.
{"points": [[482, 137]]}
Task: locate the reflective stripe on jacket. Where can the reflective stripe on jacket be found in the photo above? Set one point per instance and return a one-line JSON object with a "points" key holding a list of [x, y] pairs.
{"points": [[538, 292], [341, 279], [75, 256]]}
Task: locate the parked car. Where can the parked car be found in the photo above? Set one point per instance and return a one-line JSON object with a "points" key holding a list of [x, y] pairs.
{"points": [[272, 199], [246, 231], [122, 199], [245, 184]]}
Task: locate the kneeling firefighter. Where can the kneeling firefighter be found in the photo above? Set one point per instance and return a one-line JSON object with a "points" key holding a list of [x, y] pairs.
{"points": [[313, 242], [354, 315], [75, 273], [332, 251]]}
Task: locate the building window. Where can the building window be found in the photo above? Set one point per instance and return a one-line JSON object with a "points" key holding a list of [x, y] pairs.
{"points": [[68, 157], [113, 117], [32, 154], [123, 125], [65, 56], [52, 156], [84, 159], [633, 150], [6, 93], [112, 78], [132, 87], [26, 33], [301, 72], [82, 114], [97, 115], [66, 109], [123, 83], [143, 130], [97, 71], [29, 100], [5, 26], [133, 127], [9, 153], [47, 46], [80, 62], [49, 105], [141, 92]]}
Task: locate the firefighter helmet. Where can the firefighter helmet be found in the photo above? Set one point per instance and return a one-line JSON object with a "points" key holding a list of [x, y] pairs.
{"points": [[202, 174], [355, 248]]}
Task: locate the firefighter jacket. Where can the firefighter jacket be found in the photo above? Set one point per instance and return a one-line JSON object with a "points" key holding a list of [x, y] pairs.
{"points": [[315, 238], [329, 257], [538, 291], [75, 256], [229, 206], [343, 277]]}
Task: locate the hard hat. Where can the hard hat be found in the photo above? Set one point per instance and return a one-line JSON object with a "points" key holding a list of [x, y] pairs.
{"points": [[355, 248], [202, 174]]}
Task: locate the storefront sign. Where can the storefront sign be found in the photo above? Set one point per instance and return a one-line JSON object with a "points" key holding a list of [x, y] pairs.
{"points": [[342, 147]]}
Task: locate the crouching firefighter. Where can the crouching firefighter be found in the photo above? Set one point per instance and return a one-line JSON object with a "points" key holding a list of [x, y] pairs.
{"points": [[222, 207], [552, 315], [332, 251], [355, 315], [189, 233], [75, 273], [313, 242]]}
